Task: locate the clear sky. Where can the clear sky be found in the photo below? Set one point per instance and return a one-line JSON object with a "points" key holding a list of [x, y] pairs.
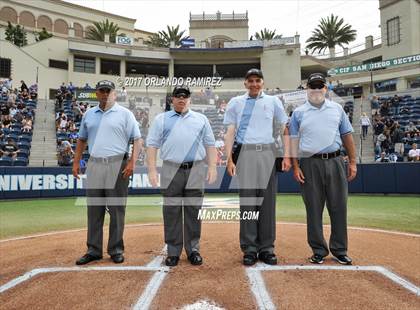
{"points": [[285, 16]]}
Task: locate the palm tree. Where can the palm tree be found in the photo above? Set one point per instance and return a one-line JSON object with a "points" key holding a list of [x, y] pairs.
{"points": [[101, 29], [266, 34], [330, 32], [164, 38]]}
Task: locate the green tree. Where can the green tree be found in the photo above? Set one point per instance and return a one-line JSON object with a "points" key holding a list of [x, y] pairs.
{"points": [[164, 37], [42, 35], [100, 29], [266, 34], [16, 35], [331, 31]]}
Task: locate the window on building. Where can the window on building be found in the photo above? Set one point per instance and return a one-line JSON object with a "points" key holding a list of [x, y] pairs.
{"points": [[193, 70], [84, 64], [109, 66], [393, 31], [138, 68], [5, 67], [235, 71], [59, 64]]}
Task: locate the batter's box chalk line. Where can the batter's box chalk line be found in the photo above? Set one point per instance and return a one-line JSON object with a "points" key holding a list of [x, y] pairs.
{"points": [[143, 302], [263, 298]]}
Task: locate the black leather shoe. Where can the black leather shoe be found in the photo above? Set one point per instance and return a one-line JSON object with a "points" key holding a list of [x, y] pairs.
{"points": [[268, 258], [171, 261], [118, 258], [250, 259], [316, 259], [87, 258], [195, 259], [343, 259]]}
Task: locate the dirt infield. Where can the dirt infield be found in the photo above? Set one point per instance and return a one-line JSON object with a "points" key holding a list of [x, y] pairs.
{"points": [[221, 280]]}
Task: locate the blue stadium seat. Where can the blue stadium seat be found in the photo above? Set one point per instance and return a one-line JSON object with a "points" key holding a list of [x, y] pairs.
{"points": [[12, 136], [25, 138], [5, 161], [23, 154], [24, 145], [20, 162]]}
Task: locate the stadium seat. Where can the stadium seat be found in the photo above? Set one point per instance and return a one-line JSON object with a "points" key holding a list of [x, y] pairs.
{"points": [[24, 145], [20, 161], [5, 161]]}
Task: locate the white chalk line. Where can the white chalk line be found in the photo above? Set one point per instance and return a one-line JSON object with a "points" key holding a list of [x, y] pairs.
{"points": [[30, 274], [263, 298], [143, 302], [398, 233], [259, 290], [149, 293]]}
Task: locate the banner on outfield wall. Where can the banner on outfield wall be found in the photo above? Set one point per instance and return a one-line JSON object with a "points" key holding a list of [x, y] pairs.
{"points": [[88, 95], [33, 182], [376, 65]]}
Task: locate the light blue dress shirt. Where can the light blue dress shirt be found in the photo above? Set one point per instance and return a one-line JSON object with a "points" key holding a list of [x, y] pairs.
{"points": [[108, 133], [319, 129], [253, 118], [181, 138]]}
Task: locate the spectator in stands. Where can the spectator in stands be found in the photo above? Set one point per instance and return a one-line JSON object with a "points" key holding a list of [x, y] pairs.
{"points": [[63, 88], [62, 123], [10, 149], [27, 125], [65, 154], [414, 153], [383, 142], [374, 104], [404, 110], [397, 139], [395, 102], [11, 99], [411, 128], [23, 86], [71, 88], [384, 109], [123, 94], [73, 136], [5, 110], [383, 158], [25, 95], [7, 121], [87, 86], [365, 123]]}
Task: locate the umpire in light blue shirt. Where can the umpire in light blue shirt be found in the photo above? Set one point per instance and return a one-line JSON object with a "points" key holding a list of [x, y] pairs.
{"points": [[250, 124], [107, 129], [318, 129], [185, 140]]}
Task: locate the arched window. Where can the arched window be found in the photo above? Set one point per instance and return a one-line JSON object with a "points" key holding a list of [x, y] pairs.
{"points": [[60, 26], [44, 22], [27, 19], [78, 30], [8, 14]]}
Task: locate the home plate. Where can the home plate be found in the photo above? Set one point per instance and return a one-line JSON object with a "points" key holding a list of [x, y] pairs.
{"points": [[203, 305]]}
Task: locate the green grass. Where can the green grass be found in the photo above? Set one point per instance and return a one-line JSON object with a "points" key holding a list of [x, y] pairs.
{"points": [[23, 217]]}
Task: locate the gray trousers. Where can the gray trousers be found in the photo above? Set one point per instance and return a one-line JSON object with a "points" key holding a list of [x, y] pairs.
{"points": [[106, 188], [258, 187], [325, 182], [183, 191]]}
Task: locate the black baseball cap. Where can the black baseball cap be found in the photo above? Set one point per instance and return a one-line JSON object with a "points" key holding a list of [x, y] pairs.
{"points": [[181, 91], [254, 71], [105, 84], [316, 79]]}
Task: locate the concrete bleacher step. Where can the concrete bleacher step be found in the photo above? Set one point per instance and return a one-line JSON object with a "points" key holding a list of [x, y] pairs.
{"points": [[43, 147]]}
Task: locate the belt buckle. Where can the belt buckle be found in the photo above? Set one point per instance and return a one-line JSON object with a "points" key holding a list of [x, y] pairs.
{"points": [[324, 157], [258, 147], [185, 165]]}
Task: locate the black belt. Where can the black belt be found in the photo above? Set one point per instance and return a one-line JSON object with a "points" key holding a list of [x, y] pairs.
{"points": [[108, 159], [185, 165], [256, 147], [327, 155]]}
